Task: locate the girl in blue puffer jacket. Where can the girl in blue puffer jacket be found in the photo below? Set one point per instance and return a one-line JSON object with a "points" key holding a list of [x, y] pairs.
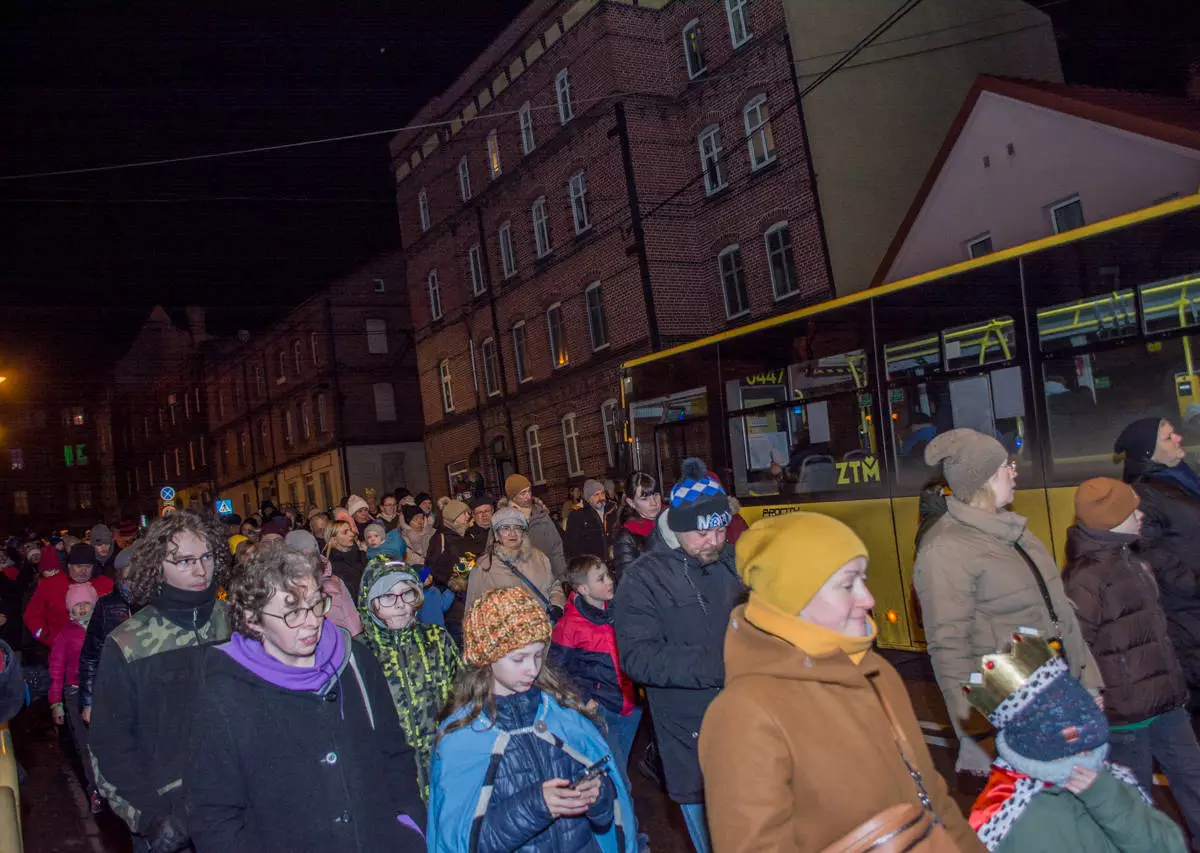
{"points": [[513, 747]]}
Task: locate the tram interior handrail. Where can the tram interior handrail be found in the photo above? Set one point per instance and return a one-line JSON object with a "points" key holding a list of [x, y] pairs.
{"points": [[10, 795]]}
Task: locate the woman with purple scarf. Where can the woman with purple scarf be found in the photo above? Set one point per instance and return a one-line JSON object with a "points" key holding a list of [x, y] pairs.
{"points": [[296, 743]]}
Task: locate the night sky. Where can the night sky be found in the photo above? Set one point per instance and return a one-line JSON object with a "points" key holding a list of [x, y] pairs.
{"points": [[87, 84]]}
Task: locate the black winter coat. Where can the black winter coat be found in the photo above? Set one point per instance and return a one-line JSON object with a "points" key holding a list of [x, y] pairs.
{"points": [[445, 550], [111, 610], [349, 566], [278, 771], [627, 547], [587, 533], [1116, 599], [517, 818], [671, 614], [1171, 545]]}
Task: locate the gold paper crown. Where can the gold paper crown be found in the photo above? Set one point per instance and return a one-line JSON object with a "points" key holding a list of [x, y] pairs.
{"points": [[1006, 672]]}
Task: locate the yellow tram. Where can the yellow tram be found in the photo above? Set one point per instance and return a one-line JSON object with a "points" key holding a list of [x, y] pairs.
{"points": [[1052, 347]]}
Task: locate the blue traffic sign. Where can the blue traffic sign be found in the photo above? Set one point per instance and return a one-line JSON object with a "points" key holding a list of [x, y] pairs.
{"points": [[167, 493], [225, 506]]}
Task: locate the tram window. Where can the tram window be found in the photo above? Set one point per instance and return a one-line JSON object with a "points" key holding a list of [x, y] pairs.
{"points": [[1090, 397], [918, 357], [1172, 304], [811, 450], [992, 403], [978, 344], [1085, 321]]}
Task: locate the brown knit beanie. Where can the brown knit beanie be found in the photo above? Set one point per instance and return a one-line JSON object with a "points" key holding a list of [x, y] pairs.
{"points": [[501, 622], [969, 459], [1102, 503], [515, 484]]}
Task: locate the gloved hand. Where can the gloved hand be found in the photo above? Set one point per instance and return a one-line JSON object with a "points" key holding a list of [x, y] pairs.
{"points": [[166, 835], [555, 613]]}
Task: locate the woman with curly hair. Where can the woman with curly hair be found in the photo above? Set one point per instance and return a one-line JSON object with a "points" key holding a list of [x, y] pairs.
{"points": [[148, 677], [296, 744], [519, 763], [419, 661]]}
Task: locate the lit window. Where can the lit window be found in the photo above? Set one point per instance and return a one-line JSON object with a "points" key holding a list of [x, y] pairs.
{"points": [[780, 260], [377, 342], [571, 446], [172, 406], [739, 29], [475, 269], [979, 246], [491, 367], [447, 386], [187, 408], [579, 207], [464, 179], [562, 89], [733, 281], [21, 502], [526, 117], [520, 362], [423, 209], [385, 402], [536, 475], [17, 459], [191, 455], [435, 296], [541, 228], [380, 285], [493, 152], [711, 161], [693, 50], [558, 338], [77, 416], [608, 419], [1067, 215], [178, 462], [759, 137], [508, 258], [597, 323]]}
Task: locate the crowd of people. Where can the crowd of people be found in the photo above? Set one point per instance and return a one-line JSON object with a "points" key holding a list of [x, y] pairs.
{"points": [[469, 675]]}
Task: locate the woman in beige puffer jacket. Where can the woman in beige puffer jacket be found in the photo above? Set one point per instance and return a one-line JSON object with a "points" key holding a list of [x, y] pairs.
{"points": [[974, 575]]}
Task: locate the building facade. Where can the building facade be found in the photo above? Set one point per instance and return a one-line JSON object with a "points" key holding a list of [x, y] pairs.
{"points": [[609, 179]]}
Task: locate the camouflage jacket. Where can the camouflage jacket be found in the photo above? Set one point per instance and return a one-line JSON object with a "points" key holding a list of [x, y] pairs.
{"points": [[147, 683]]}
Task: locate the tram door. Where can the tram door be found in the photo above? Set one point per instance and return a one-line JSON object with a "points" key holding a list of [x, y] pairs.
{"points": [[676, 441]]}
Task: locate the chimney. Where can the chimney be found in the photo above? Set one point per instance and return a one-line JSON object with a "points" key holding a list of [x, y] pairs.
{"points": [[196, 324]]}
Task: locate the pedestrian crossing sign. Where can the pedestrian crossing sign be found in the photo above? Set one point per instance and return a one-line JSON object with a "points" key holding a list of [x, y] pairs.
{"points": [[225, 506]]}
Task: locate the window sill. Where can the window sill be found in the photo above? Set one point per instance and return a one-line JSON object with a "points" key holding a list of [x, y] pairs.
{"points": [[584, 231], [739, 45], [280, 381], [718, 194], [789, 295], [600, 348], [492, 394], [699, 74], [741, 315], [526, 379], [764, 166]]}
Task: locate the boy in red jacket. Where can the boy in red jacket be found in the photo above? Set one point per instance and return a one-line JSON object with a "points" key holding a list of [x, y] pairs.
{"points": [[47, 611]]}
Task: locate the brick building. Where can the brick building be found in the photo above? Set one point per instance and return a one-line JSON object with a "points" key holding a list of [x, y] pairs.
{"points": [[530, 278], [321, 401]]}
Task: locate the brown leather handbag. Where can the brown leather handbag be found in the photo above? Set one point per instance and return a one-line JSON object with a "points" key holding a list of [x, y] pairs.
{"points": [[904, 827]]}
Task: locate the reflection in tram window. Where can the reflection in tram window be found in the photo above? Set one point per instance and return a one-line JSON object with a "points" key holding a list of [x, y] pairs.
{"points": [[667, 430], [978, 344], [1086, 321], [1091, 396], [992, 403], [1173, 304], [807, 430]]}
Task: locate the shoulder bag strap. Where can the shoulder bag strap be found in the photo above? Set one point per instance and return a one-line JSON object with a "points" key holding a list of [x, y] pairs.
{"points": [[905, 749], [520, 575], [1041, 584]]}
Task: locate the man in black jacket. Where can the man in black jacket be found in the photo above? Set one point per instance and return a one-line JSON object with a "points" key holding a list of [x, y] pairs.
{"points": [[671, 611], [296, 744], [111, 610], [589, 530]]}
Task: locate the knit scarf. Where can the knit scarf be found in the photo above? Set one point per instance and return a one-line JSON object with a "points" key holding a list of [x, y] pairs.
{"points": [[806, 636], [639, 526], [421, 664], [328, 660]]}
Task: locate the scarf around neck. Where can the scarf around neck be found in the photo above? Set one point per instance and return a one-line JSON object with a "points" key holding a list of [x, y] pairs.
{"points": [[330, 656], [639, 526], [806, 636]]}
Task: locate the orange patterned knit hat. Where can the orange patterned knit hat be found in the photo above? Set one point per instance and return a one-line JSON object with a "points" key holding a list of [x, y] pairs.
{"points": [[501, 622]]}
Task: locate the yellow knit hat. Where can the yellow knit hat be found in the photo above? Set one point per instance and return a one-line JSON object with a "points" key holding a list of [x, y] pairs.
{"points": [[785, 560], [235, 540]]}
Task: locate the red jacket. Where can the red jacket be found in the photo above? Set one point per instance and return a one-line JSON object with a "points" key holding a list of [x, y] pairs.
{"points": [[584, 645], [47, 611], [64, 659]]}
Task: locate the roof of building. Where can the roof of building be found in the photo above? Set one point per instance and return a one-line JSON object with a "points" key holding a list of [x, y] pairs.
{"points": [[1169, 119]]}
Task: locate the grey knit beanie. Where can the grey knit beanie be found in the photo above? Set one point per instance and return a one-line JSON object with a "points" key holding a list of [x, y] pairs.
{"points": [[969, 459]]}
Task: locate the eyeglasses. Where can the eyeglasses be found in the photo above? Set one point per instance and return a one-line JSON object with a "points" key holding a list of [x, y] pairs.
{"points": [[391, 599], [510, 528], [296, 618], [189, 563]]}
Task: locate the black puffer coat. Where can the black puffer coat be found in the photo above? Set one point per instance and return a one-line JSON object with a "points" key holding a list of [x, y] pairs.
{"points": [[1171, 545], [628, 545], [519, 818], [111, 610], [1116, 599], [671, 614], [349, 566]]}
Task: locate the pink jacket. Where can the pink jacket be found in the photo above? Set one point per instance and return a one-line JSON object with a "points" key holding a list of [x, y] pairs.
{"points": [[64, 659], [342, 610]]}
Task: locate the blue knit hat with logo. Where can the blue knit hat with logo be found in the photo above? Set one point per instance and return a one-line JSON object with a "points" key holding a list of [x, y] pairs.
{"points": [[1051, 716], [698, 501]]}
